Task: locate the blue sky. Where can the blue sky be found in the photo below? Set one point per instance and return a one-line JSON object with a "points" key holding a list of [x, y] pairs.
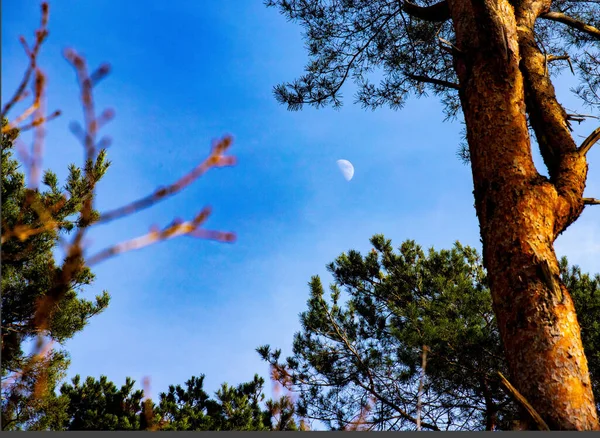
{"points": [[185, 73]]}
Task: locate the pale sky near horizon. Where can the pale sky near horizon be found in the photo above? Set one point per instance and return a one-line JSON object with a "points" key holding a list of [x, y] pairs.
{"points": [[185, 73]]}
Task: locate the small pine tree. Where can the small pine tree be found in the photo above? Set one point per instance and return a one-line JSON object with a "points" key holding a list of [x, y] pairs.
{"points": [[29, 271]]}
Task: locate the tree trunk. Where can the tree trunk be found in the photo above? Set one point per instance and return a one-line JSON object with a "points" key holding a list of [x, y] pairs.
{"points": [[521, 212], [491, 409]]}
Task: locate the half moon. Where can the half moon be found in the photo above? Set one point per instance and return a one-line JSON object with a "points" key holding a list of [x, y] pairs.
{"points": [[347, 169]]}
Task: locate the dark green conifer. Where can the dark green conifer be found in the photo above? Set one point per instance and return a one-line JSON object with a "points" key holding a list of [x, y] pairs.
{"points": [[30, 271], [358, 354]]}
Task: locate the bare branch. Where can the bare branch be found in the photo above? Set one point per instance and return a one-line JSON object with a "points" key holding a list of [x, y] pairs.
{"points": [[551, 58], [434, 81], [572, 22], [177, 228], [39, 130], [40, 121], [591, 201], [215, 159], [580, 117], [449, 47], [523, 402], [421, 384], [40, 36], [437, 12], [94, 168], [589, 142]]}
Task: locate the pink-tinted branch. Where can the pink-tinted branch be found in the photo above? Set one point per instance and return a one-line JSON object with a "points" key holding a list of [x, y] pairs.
{"points": [[215, 159], [177, 228], [40, 36]]}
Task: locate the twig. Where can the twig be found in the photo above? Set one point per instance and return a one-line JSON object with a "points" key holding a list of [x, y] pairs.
{"points": [[550, 58], [434, 81], [74, 260], [451, 47], [40, 121], [43, 350], [589, 141], [23, 232], [39, 130], [147, 405], [591, 201], [421, 384], [580, 117], [177, 228], [523, 402], [40, 36], [215, 159], [11, 125]]}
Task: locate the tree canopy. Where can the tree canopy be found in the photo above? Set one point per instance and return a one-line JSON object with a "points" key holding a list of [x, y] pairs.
{"points": [[357, 359], [392, 49], [97, 404]]}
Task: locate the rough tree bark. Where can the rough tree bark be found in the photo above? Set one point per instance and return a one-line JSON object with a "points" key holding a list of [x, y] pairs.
{"points": [[503, 78]]}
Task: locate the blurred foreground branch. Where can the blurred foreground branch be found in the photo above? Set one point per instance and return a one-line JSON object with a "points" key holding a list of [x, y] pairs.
{"points": [[42, 218]]}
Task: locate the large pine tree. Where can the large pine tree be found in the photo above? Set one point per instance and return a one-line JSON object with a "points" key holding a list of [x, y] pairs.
{"points": [[493, 60]]}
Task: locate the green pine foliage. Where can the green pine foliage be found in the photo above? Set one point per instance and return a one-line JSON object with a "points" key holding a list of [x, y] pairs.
{"points": [[31, 403], [30, 271], [100, 405], [390, 54], [282, 412], [358, 357], [233, 408], [186, 408]]}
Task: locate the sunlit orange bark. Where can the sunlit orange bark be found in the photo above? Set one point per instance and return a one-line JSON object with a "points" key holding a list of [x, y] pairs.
{"points": [[503, 78]]}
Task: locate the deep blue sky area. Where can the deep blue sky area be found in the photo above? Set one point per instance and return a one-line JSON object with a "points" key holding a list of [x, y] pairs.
{"points": [[185, 73]]}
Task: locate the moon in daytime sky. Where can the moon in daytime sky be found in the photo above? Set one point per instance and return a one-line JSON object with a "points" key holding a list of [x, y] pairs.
{"points": [[347, 169]]}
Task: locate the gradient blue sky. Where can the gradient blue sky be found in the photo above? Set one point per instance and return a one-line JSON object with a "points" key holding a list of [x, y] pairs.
{"points": [[184, 73]]}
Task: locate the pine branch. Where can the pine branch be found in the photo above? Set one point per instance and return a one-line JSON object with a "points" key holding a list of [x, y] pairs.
{"points": [[572, 22], [434, 81], [437, 12], [589, 142], [371, 387]]}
